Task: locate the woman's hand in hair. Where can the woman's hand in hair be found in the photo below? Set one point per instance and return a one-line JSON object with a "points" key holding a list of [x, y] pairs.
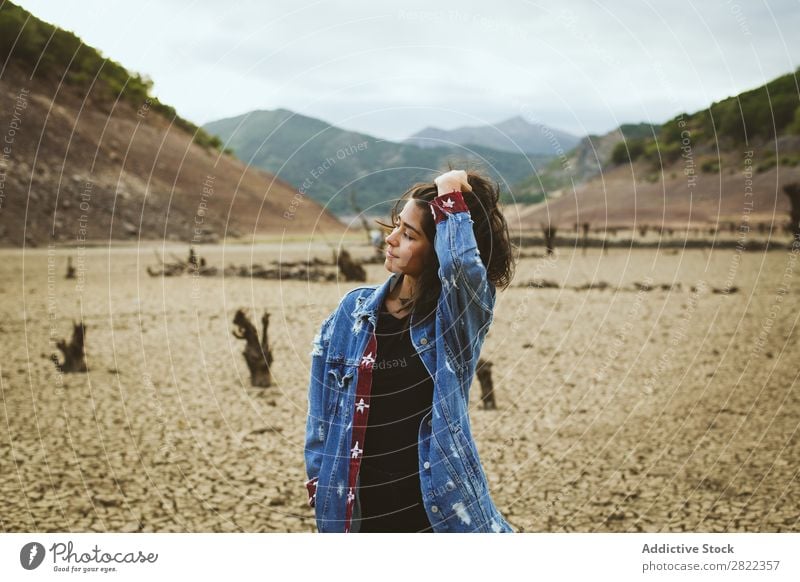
{"points": [[452, 181]]}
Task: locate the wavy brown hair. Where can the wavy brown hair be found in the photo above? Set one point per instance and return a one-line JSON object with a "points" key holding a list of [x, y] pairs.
{"points": [[489, 226]]}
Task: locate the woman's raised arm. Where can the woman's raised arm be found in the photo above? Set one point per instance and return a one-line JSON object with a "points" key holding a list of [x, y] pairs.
{"points": [[468, 297]]}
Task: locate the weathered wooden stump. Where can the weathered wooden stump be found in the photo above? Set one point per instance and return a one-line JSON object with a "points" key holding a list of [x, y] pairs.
{"points": [[167, 270], [257, 354], [74, 358], [549, 233], [357, 210], [70, 269], [484, 373], [177, 267], [350, 269]]}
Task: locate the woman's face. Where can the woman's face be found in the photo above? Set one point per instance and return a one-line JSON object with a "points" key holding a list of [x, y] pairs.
{"points": [[408, 248]]}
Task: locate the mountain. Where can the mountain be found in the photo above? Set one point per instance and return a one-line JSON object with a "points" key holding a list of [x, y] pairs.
{"points": [[94, 157], [728, 163], [512, 135], [586, 160], [328, 163]]}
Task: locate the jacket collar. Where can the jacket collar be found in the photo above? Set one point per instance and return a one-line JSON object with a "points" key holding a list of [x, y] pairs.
{"points": [[368, 306]]}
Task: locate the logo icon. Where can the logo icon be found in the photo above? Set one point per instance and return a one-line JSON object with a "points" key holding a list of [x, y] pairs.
{"points": [[31, 555]]}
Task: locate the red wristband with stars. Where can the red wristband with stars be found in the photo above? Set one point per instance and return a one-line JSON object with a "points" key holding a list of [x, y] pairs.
{"points": [[445, 204]]}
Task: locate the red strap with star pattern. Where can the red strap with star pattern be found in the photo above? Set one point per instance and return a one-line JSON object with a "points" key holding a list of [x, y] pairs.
{"points": [[360, 416], [445, 204]]}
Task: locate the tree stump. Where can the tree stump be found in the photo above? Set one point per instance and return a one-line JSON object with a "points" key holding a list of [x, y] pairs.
{"points": [[359, 212], [549, 232], [484, 373], [257, 354], [793, 192], [350, 269], [70, 269], [178, 267], [74, 358]]}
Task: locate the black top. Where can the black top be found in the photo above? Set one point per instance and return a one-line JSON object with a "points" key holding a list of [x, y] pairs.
{"points": [[402, 393]]}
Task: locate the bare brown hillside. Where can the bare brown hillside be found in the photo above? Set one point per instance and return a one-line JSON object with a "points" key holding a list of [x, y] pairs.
{"points": [[630, 195], [76, 167]]}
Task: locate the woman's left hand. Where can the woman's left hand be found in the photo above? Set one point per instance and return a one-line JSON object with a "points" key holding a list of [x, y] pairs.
{"points": [[452, 181]]}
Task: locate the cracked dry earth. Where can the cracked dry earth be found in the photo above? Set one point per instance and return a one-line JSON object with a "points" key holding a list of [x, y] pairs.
{"points": [[618, 409]]}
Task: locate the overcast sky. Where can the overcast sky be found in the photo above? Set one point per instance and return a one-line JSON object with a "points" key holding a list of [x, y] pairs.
{"points": [[390, 69]]}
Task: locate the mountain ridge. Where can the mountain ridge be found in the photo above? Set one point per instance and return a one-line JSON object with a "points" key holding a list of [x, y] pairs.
{"points": [[376, 170], [514, 134]]}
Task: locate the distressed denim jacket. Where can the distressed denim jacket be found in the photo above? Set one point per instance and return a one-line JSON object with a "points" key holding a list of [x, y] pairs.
{"points": [[454, 486]]}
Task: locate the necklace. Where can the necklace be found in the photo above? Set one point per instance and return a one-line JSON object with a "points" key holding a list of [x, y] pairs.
{"points": [[404, 300]]}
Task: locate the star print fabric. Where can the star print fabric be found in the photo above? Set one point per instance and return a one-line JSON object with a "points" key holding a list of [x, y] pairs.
{"points": [[360, 416], [445, 204]]}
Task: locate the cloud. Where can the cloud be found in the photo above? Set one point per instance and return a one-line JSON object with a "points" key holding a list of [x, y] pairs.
{"points": [[390, 71]]}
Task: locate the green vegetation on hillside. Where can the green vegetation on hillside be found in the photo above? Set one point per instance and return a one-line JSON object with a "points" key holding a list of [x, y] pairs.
{"points": [[49, 51], [536, 187], [637, 130], [752, 117]]}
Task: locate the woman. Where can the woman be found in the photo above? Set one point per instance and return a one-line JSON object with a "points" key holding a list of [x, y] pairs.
{"points": [[388, 442]]}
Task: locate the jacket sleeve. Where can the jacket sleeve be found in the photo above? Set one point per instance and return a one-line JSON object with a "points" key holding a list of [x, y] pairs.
{"points": [[316, 422], [468, 297]]}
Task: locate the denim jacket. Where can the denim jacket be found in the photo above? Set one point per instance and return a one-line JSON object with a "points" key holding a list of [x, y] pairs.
{"points": [[454, 486]]}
